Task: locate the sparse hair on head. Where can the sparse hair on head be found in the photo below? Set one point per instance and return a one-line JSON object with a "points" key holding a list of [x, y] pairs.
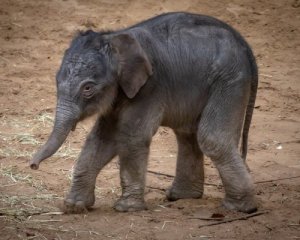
{"points": [[89, 39]]}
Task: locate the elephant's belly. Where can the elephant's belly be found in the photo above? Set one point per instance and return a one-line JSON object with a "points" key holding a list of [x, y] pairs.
{"points": [[186, 121]]}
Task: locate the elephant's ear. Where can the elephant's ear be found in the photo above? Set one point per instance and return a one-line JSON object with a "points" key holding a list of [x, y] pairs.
{"points": [[134, 66]]}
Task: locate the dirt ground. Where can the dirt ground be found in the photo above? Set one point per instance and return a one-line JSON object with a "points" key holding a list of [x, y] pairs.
{"points": [[33, 36]]}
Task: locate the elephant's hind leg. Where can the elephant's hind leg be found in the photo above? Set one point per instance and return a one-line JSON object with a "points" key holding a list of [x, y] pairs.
{"points": [[218, 135], [189, 179]]}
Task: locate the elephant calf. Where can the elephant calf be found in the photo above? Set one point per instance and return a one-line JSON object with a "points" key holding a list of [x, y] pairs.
{"points": [[192, 73]]}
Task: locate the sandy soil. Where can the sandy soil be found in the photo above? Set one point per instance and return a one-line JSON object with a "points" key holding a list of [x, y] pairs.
{"points": [[33, 36]]}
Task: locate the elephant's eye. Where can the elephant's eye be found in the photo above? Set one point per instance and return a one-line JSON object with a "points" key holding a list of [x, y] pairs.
{"points": [[88, 90]]}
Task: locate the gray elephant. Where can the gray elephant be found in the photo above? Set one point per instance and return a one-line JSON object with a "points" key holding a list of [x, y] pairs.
{"points": [[192, 73]]}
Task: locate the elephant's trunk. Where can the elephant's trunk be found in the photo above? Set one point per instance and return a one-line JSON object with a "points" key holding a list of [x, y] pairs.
{"points": [[65, 121]]}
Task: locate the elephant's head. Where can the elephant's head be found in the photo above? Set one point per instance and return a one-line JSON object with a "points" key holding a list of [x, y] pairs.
{"points": [[93, 70]]}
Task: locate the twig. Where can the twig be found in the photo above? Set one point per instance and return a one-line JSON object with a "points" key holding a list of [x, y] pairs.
{"points": [[161, 174], [94, 232], [157, 188], [172, 176], [16, 24], [50, 228], [165, 222], [5, 59], [207, 219], [234, 219], [9, 185], [59, 238], [52, 213], [278, 179], [45, 221], [220, 185], [143, 216], [266, 75], [213, 184]]}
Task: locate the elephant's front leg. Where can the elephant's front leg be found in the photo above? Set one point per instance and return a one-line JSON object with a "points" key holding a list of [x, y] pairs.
{"points": [[98, 150], [133, 165], [137, 126]]}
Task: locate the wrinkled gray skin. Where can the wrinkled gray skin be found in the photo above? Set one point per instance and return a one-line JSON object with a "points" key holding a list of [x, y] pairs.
{"points": [[192, 73]]}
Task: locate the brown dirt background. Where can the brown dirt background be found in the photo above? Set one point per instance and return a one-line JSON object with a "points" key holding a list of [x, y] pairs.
{"points": [[33, 36]]}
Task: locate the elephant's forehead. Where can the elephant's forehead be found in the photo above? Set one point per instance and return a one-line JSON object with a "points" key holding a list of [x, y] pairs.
{"points": [[75, 64], [81, 67], [81, 57]]}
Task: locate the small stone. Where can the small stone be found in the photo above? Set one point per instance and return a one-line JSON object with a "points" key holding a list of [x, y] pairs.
{"points": [[15, 91]]}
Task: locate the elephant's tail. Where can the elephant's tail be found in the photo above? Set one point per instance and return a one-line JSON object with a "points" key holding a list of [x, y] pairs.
{"points": [[251, 104]]}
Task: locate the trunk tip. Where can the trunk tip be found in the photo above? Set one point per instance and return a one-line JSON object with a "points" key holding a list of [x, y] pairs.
{"points": [[34, 166]]}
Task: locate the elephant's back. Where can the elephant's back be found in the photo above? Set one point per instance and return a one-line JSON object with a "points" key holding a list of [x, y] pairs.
{"points": [[164, 25], [199, 47]]}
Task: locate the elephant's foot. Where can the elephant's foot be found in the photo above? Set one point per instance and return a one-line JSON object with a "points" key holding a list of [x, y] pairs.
{"points": [[183, 192], [78, 202], [246, 204], [130, 204]]}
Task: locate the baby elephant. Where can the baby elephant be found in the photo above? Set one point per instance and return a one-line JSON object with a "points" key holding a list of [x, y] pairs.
{"points": [[192, 73]]}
